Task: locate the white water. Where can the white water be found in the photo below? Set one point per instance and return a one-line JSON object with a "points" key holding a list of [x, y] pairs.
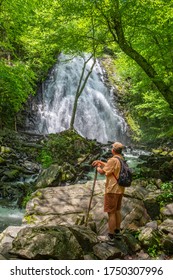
{"points": [[10, 216], [96, 117]]}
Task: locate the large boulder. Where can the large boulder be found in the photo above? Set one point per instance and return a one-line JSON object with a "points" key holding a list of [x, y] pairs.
{"points": [[68, 205], [7, 237], [152, 204], [166, 226], [167, 211], [55, 175], [47, 243]]}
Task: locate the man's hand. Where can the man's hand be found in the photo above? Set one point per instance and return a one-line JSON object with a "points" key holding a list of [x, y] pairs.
{"points": [[98, 163]]}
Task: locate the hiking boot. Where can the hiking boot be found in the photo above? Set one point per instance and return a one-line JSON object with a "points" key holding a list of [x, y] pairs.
{"points": [[117, 234], [110, 239]]}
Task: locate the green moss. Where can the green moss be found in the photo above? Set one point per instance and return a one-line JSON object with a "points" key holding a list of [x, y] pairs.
{"points": [[30, 219], [37, 194]]}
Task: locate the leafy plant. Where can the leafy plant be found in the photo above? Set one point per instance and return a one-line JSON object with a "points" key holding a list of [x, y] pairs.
{"points": [[153, 250], [167, 193], [45, 158], [27, 198]]}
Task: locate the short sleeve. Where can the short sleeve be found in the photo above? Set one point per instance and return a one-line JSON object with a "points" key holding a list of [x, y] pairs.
{"points": [[110, 166]]}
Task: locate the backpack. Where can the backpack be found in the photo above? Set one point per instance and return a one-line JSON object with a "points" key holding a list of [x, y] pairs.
{"points": [[125, 176]]}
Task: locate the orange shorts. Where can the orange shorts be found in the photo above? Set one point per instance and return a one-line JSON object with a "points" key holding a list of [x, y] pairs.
{"points": [[112, 202]]}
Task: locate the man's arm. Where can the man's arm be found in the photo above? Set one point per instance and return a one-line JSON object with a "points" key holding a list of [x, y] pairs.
{"points": [[98, 163]]}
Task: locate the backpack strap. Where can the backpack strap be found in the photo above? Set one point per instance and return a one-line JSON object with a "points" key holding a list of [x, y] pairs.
{"points": [[114, 176], [112, 172]]}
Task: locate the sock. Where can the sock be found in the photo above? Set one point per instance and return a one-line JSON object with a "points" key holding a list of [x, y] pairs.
{"points": [[111, 235]]}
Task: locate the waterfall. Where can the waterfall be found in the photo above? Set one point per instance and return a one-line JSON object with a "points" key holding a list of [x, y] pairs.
{"points": [[96, 116]]}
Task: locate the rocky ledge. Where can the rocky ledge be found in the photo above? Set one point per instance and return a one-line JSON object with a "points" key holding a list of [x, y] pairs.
{"points": [[54, 225]]}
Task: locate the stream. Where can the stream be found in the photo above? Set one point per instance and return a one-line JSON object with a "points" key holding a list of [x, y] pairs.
{"points": [[9, 215]]}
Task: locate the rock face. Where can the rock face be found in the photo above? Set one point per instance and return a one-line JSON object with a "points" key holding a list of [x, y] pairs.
{"points": [[69, 205], [50, 242], [55, 175]]}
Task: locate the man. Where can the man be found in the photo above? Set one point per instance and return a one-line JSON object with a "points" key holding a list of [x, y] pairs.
{"points": [[113, 192]]}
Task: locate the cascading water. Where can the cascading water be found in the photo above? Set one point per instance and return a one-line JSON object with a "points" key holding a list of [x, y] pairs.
{"points": [[10, 215], [96, 117]]}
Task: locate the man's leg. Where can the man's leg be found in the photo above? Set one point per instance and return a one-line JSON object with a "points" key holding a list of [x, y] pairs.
{"points": [[118, 218], [111, 222]]}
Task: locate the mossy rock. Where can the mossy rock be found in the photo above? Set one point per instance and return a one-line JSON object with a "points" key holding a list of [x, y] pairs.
{"points": [[12, 174], [67, 146], [171, 153], [5, 150], [57, 243], [2, 161]]}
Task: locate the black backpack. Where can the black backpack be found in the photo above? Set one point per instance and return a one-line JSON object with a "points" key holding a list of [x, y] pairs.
{"points": [[125, 176]]}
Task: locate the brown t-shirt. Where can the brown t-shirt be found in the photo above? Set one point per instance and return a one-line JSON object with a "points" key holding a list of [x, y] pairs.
{"points": [[113, 165]]}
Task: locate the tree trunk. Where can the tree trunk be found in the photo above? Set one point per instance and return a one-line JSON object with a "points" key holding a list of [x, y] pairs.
{"points": [[80, 89], [116, 29]]}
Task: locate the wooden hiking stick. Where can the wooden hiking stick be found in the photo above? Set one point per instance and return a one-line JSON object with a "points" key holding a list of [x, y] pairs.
{"points": [[92, 193]]}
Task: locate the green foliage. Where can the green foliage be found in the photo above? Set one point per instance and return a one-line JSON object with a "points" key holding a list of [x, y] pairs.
{"points": [[15, 85], [26, 198], [147, 108], [45, 158], [27, 50], [167, 194], [66, 146], [33, 32], [156, 245], [153, 250]]}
